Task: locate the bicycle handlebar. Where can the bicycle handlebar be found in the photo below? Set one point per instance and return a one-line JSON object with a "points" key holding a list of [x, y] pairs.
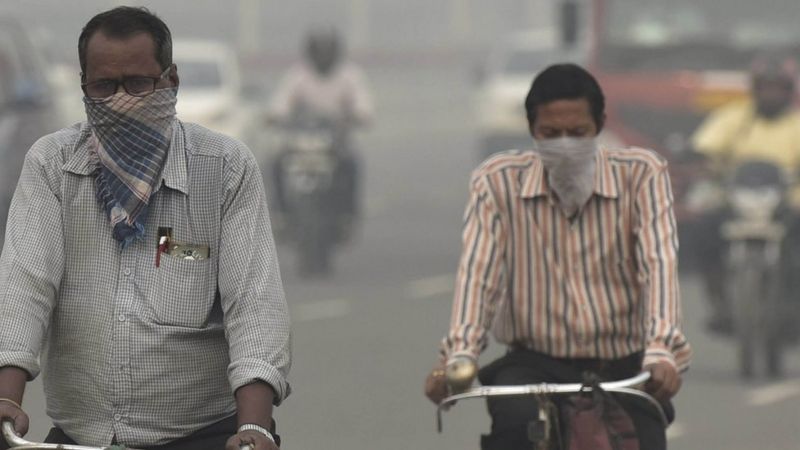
{"points": [[626, 386], [17, 442]]}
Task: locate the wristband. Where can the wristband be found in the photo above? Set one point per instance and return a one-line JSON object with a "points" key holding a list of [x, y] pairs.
{"points": [[260, 429]]}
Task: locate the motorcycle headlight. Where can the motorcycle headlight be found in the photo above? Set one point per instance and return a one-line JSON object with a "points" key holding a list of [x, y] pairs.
{"points": [[312, 142], [756, 204]]}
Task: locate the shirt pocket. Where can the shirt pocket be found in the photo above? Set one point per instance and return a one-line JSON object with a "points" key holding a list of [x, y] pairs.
{"points": [[183, 292]]}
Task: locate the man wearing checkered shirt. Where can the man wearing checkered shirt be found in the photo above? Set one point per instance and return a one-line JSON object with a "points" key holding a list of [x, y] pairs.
{"points": [[139, 266]]}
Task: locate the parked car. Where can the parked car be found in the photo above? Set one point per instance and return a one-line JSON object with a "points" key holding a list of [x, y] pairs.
{"points": [[27, 107], [505, 80], [210, 86]]}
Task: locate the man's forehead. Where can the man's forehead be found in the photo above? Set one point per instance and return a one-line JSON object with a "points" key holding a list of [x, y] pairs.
{"points": [[101, 39], [566, 104], [104, 50], [566, 108]]}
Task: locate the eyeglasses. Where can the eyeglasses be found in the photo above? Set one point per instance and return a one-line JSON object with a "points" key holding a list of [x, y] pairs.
{"points": [[136, 86]]}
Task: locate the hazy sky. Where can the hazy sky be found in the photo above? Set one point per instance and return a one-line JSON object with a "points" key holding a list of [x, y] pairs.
{"points": [[277, 26]]}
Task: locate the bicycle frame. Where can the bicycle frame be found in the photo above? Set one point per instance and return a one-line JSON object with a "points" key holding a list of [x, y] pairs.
{"points": [[627, 387], [17, 442]]}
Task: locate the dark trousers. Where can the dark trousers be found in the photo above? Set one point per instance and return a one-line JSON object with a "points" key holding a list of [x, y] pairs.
{"points": [[212, 437], [512, 415]]}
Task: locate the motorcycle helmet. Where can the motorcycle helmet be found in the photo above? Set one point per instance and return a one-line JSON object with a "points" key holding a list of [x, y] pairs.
{"points": [[773, 77], [323, 50]]}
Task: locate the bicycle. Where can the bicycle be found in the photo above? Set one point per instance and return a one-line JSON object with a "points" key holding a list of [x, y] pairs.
{"points": [[546, 413], [17, 442]]}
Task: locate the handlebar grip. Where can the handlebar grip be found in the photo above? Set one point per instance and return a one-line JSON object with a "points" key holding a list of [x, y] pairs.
{"points": [[9, 434]]}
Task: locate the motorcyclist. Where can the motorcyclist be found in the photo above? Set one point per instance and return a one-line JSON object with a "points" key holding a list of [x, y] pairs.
{"points": [[765, 127], [328, 87]]}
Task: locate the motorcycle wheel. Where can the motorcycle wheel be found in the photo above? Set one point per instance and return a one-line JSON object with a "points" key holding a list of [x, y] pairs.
{"points": [[747, 321], [313, 241], [774, 355], [313, 257]]}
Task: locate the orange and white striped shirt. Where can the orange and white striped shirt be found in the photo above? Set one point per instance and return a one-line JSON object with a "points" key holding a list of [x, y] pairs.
{"points": [[602, 285]]}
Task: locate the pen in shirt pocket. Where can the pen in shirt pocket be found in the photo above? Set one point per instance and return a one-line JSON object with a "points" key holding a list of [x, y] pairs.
{"points": [[164, 236]]}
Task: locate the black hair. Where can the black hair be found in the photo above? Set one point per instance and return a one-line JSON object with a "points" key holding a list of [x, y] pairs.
{"points": [[123, 22], [566, 82]]}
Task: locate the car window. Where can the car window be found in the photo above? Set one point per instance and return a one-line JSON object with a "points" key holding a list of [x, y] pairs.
{"points": [[199, 74], [22, 71]]}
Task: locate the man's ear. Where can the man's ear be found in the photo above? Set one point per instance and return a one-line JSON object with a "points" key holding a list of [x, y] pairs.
{"points": [[173, 76], [530, 129], [602, 123]]}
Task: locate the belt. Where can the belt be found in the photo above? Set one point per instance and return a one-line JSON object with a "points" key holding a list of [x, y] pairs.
{"points": [[610, 369]]}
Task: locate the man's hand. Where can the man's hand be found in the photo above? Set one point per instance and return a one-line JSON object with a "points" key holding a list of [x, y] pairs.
{"points": [[665, 381], [436, 384], [256, 440], [254, 407], [10, 412]]}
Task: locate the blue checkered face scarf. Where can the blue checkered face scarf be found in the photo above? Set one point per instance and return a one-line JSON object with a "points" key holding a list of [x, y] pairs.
{"points": [[129, 144]]}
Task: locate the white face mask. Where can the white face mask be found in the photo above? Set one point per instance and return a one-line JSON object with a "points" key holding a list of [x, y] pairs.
{"points": [[570, 164]]}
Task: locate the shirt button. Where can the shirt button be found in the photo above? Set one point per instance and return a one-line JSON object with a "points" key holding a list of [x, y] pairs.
{"points": [[122, 318], [117, 417], [127, 271]]}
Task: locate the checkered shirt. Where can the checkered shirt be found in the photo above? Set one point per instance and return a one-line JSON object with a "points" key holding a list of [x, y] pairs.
{"points": [[147, 354]]}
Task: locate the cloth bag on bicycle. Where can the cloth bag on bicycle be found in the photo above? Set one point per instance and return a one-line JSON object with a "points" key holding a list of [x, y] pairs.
{"points": [[595, 420]]}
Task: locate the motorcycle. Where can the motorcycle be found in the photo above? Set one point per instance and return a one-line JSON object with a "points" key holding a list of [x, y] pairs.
{"points": [[754, 232], [309, 180]]}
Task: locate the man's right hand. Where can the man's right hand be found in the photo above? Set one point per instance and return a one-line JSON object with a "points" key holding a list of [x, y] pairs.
{"points": [[12, 387], [436, 385], [10, 412]]}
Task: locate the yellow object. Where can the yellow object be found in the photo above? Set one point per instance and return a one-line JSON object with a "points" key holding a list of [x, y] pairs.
{"points": [[735, 133], [461, 371], [710, 100]]}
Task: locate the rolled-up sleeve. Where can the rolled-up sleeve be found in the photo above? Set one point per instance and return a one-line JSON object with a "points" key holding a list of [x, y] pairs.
{"points": [[256, 315], [31, 267], [657, 248]]}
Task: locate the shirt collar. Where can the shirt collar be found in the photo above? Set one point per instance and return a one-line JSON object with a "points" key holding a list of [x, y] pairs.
{"points": [[174, 175], [605, 184]]}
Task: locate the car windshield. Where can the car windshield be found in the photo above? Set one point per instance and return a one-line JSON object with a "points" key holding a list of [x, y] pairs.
{"points": [[199, 74], [711, 34]]}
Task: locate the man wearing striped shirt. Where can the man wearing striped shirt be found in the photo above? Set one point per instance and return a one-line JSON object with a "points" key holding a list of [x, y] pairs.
{"points": [[569, 257]]}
